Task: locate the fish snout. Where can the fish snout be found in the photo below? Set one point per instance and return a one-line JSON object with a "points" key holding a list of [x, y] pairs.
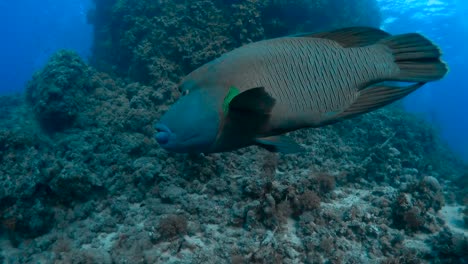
{"points": [[163, 134]]}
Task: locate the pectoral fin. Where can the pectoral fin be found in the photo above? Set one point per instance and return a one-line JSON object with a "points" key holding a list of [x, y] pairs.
{"points": [[281, 144], [253, 101]]}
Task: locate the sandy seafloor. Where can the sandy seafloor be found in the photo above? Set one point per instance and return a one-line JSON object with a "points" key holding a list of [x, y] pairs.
{"points": [[82, 179]]}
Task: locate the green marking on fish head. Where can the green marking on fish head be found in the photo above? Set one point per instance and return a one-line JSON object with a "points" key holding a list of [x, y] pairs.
{"points": [[233, 92]]}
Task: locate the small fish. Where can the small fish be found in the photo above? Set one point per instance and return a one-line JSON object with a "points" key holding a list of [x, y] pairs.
{"points": [[258, 92]]}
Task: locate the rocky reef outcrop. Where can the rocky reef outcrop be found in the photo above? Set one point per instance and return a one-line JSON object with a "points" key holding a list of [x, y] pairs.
{"points": [[83, 181], [147, 40]]}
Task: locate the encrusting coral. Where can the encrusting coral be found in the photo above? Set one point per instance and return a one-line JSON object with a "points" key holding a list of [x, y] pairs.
{"points": [[97, 188], [56, 94], [147, 40]]}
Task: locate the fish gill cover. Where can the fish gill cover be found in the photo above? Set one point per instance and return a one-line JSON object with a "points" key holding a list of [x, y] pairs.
{"points": [[95, 187]]}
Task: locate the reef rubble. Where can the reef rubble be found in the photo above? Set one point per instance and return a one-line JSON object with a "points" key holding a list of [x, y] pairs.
{"points": [[82, 179]]}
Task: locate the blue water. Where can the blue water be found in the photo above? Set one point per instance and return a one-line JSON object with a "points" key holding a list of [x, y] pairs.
{"points": [[32, 30], [444, 102]]}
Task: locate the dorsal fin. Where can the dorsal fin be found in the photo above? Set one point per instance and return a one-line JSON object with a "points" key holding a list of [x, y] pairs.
{"points": [[352, 36]]}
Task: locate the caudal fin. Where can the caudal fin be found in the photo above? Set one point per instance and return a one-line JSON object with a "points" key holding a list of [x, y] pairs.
{"points": [[418, 58]]}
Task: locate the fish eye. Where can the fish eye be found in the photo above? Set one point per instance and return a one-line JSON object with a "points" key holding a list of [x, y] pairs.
{"points": [[182, 91]]}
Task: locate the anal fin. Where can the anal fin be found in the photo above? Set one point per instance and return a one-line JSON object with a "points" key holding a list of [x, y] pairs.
{"points": [[376, 97], [281, 144]]}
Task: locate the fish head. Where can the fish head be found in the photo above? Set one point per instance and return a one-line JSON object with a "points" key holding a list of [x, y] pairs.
{"points": [[191, 124]]}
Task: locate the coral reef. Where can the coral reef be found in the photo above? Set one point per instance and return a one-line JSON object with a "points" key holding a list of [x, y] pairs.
{"points": [[281, 17], [149, 40], [97, 188], [104, 192], [172, 226], [415, 202], [8, 105], [55, 93]]}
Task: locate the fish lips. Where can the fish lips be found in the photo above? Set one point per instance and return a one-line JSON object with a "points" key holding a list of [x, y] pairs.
{"points": [[169, 140], [163, 134]]}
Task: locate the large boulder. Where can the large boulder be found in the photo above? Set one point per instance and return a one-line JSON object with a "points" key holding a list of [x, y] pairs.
{"points": [[57, 93]]}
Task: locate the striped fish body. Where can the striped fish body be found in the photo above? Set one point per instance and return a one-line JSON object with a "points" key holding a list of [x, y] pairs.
{"points": [[312, 79], [271, 87]]}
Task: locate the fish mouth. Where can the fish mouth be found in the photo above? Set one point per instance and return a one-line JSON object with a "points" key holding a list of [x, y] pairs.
{"points": [[168, 140], [163, 134], [194, 135]]}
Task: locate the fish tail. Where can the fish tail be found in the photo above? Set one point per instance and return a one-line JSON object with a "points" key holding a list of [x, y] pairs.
{"points": [[417, 57]]}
